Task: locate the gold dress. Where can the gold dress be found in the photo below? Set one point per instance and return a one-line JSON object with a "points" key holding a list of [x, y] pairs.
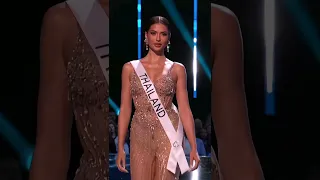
{"points": [[88, 94], [149, 144]]}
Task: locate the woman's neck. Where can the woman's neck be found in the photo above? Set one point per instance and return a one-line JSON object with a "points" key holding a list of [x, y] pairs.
{"points": [[154, 58]]}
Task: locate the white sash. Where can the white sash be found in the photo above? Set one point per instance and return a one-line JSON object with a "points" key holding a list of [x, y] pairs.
{"points": [[177, 155], [94, 23]]}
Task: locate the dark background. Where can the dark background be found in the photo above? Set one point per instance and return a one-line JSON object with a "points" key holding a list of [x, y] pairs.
{"points": [[286, 143]]}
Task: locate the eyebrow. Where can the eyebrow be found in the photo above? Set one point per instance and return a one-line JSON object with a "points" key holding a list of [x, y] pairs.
{"points": [[157, 31]]}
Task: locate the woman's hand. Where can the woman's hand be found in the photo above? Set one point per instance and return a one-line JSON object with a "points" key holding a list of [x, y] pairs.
{"points": [[121, 161], [194, 158]]}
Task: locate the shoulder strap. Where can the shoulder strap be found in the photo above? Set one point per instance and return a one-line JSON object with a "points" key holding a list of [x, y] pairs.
{"points": [[94, 23], [171, 67]]}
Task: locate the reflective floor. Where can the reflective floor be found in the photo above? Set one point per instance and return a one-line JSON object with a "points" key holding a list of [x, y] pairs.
{"points": [[202, 173]]}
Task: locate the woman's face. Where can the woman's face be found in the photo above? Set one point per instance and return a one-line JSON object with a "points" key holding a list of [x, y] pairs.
{"points": [[157, 37]]}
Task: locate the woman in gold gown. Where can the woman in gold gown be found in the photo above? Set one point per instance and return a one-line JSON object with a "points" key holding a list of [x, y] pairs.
{"points": [[149, 145]]}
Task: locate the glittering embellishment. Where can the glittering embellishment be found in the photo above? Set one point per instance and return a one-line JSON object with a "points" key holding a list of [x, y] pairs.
{"points": [[149, 144], [88, 93]]}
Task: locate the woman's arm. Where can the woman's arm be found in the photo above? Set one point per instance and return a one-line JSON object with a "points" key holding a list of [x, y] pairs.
{"points": [[52, 151], [237, 155], [125, 107], [183, 105]]}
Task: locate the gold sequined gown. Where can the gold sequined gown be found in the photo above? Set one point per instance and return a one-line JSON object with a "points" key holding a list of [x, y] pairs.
{"points": [[149, 144], [88, 94]]}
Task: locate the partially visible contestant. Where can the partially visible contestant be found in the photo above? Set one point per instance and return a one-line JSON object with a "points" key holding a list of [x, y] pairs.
{"points": [[152, 82], [72, 82], [237, 156]]}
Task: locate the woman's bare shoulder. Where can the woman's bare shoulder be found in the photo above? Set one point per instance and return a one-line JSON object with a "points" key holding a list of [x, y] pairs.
{"points": [[222, 17], [59, 15], [174, 64], [178, 68], [127, 67], [221, 11], [223, 22]]}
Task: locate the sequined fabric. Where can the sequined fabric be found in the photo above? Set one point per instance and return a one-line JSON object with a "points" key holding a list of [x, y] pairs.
{"points": [[88, 93], [149, 144]]}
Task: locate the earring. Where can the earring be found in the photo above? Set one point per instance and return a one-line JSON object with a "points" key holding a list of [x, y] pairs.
{"points": [[147, 47], [168, 47]]}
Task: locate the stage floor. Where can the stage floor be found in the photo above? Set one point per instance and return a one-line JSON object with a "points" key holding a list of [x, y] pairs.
{"points": [[202, 173]]}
